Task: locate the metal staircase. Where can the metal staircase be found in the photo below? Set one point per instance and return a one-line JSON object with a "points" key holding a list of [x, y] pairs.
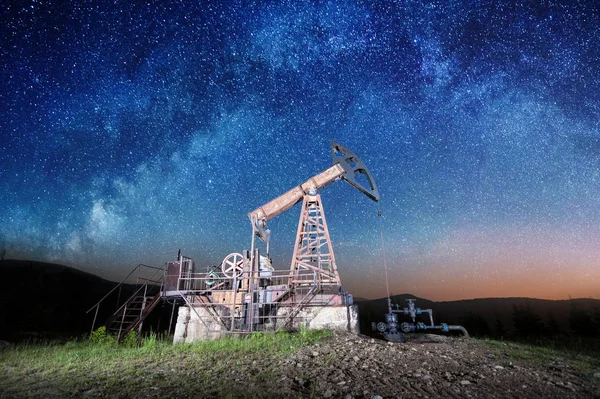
{"points": [[131, 314], [212, 310], [299, 306]]}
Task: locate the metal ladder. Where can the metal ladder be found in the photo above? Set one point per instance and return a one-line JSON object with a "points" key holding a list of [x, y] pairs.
{"points": [[132, 313], [305, 300], [136, 308]]}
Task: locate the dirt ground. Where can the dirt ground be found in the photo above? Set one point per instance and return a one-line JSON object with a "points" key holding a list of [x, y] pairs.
{"points": [[340, 366], [348, 366]]}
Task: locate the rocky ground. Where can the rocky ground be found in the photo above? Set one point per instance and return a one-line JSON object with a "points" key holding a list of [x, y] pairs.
{"points": [[339, 366], [347, 366]]}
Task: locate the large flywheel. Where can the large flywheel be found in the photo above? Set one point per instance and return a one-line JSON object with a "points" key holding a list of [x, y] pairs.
{"points": [[233, 265]]}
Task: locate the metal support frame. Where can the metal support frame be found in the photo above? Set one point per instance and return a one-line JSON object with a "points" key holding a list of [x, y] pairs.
{"points": [[245, 295], [313, 260]]}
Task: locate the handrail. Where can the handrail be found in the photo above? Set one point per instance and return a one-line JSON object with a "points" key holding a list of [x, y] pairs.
{"points": [[129, 299], [306, 299], [121, 283], [148, 306], [136, 292], [147, 280], [152, 267]]}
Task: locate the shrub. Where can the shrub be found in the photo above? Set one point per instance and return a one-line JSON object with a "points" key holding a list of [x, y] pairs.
{"points": [[102, 337], [130, 340]]}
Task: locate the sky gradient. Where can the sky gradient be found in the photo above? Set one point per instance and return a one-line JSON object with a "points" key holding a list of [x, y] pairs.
{"points": [[132, 129]]}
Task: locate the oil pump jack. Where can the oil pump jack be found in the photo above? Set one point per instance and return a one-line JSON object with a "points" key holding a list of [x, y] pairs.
{"points": [[313, 260], [246, 293]]}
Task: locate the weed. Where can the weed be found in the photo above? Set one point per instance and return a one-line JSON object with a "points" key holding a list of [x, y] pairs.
{"points": [[150, 341], [130, 340], [102, 337]]}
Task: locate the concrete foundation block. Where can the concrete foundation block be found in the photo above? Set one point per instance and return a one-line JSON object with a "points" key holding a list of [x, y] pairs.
{"points": [[198, 324]]}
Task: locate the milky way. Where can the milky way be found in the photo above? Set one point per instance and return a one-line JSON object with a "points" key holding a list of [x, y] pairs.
{"points": [[132, 129]]}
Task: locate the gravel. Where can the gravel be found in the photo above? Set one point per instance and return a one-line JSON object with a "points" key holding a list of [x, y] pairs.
{"points": [[349, 366]]}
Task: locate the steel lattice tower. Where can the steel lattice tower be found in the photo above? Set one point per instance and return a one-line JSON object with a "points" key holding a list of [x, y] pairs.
{"points": [[313, 261]]}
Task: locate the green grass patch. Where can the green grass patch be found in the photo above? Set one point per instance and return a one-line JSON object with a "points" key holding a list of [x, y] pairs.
{"points": [[584, 362], [280, 342], [150, 367]]}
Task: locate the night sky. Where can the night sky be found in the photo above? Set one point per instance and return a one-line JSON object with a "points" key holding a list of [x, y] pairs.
{"points": [[131, 129]]}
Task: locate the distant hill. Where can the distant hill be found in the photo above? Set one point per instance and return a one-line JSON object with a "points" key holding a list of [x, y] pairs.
{"points": [[495, 317], [48, 300]]}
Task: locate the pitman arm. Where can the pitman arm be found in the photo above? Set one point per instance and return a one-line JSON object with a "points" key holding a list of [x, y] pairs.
{"points": [[346, 165]]}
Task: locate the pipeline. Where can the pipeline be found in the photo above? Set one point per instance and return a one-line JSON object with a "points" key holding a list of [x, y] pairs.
{"points": [[390, 329], [459, 328]]}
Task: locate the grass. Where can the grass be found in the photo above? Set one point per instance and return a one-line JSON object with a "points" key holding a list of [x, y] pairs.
{"points": [[152, 368], [576, 356]]}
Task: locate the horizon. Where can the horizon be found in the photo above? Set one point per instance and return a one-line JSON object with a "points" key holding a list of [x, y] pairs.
{"points": [[130, 131], [392, 294]]}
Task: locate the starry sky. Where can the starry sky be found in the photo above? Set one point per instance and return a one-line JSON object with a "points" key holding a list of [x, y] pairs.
{"points": [[130, 129]]}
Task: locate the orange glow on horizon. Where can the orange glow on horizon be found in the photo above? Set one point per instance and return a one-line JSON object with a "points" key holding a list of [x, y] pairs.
{"points": [[532, 284]]}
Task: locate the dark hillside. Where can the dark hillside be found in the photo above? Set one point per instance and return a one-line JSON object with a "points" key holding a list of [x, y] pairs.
{"points": [[501, 317], [45, 300]]}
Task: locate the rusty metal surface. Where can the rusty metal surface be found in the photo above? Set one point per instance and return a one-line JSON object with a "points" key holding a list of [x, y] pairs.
{"points": [[313, 260], [290, 198], [172, 276]]}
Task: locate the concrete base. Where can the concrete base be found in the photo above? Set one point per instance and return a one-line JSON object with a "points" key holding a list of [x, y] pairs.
{"points": [[190, 327], [341, 318]]}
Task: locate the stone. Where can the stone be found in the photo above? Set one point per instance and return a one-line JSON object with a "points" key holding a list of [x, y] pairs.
{"points": [[465, 382]]}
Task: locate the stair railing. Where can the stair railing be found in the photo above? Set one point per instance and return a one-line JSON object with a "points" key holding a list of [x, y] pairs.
{"points": [[295, 310], [97, 305]]}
